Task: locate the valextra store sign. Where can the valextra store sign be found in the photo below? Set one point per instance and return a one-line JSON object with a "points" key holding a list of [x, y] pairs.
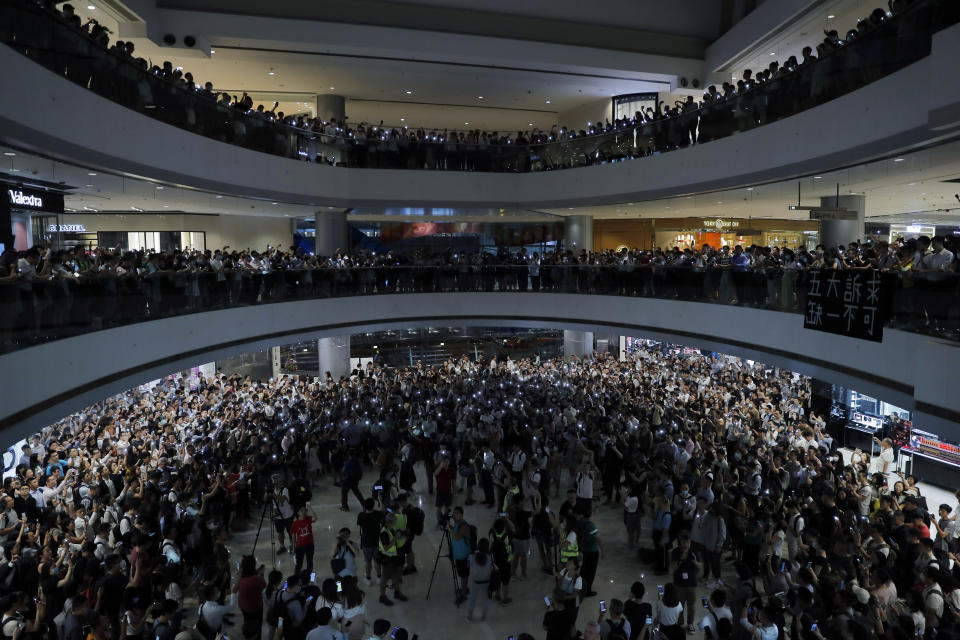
{"points": [[22, 200]]}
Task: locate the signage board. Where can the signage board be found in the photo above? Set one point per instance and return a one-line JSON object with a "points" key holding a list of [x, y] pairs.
{"points": [[33, 199], [832, 214], [848, 303], [66, 228], [720, 223]]}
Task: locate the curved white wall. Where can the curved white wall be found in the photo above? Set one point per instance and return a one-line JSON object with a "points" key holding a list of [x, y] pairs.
{"points": [[50, 115], [46, 382]]}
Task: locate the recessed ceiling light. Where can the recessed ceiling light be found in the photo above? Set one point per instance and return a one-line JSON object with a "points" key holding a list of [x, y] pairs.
{"points": [[90, 7], [88, 185], [548, 102], [159, 186], [749, 188], [831, 17], [668, 206], [273, 203], [911, 184], [529, 124], [817, 177], [466, 123], [332, 88], [91, 174], [773, 53], [166, 206], [270, 73], [218, 197], [898, 159], [479, 97], [409, 92], [213, 50], [9, 153]]}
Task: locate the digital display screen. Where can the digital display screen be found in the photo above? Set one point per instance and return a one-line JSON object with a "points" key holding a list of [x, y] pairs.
{"points": [[932, 445]]}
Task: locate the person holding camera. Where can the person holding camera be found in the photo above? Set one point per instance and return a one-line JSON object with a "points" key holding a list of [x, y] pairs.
{"points": [[343, 561]]}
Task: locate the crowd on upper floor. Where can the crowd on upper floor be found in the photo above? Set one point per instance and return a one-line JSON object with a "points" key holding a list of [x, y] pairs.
{"points": [[757, 97], [117, 521]]}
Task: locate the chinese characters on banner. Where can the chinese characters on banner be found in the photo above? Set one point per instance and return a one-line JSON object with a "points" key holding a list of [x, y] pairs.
{"points": [[845, 302]]}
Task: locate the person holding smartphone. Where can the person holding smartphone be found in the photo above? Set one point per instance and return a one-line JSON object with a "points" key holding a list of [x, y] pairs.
{"points": [[669, 613], [556, 620]]}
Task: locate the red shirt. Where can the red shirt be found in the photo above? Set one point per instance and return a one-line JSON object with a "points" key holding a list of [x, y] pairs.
{"points": [[445, 479], [302, 531], [250, 592]]}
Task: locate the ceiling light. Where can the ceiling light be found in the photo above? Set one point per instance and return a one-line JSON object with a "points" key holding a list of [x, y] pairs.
{"points": [[159, 186], [90, 7], [529, 124], [817, 177], [88, 185], [548, 102], [273, 203], [479, 97], [409, 92], [9, 153], [213, 50], [719, 201], [91, 174], [270, 73], [831, 17], [898, 159], [911, 184], [749, 188], [166, 206], [218, 197], [403, 119], [16, 170], [441, 344], [466, 123], [332, 88]]}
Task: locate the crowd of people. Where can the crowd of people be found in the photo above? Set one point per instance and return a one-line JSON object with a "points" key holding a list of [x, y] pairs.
{"points": [[879, 43], [53, 293], [729, 482]]}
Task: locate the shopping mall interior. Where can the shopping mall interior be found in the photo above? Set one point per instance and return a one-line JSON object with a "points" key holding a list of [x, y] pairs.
{"points": [[416, 319]]}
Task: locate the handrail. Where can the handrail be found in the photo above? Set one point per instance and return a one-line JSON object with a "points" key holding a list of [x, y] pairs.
{"points": [[41, 35], [44, 310]]}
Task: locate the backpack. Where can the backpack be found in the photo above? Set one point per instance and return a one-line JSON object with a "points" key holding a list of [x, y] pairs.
{"points": [[275, 609], [415, 520], [300, 494], [617, 632]]}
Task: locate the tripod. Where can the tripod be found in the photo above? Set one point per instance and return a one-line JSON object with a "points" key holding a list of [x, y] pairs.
{"points": [[445, 538], [267, 504]]}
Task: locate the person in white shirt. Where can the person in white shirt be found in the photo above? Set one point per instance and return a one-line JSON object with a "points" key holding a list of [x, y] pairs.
{"points": [[717, 610], [883, 463], [762, 626]]}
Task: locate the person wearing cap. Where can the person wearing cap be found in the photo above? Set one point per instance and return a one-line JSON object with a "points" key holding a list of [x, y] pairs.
{"points": [[686, 575]]}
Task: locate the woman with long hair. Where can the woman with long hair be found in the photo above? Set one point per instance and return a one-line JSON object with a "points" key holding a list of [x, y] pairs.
{"points": [[250, 587], [668, 613], [481, 570]]}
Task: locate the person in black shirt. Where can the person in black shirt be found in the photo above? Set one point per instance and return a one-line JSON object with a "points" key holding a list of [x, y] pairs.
{"points": [[556, 621], [636, 610], [369, 522]]}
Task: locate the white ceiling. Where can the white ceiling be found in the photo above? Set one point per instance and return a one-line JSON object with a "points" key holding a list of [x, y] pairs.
{"points": [[911, 190]]}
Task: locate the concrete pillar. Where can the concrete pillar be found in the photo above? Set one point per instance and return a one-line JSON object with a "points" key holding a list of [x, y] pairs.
{"points": [[836, 232], [275, 362], [577, 343], [331, 106], [334, 356], [332, 232], [578, 233]]}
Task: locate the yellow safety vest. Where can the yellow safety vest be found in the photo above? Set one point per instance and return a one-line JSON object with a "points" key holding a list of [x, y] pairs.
{"points": [[391, 549], [400, 528], [503, 537], [569, 552]]}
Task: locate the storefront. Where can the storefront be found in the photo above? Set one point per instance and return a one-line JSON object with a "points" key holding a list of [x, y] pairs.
{"points": [[859, 421], [689, 233], [32, 216]]}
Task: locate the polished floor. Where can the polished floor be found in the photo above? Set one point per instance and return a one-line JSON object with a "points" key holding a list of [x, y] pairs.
{"points": [[439, 617]]}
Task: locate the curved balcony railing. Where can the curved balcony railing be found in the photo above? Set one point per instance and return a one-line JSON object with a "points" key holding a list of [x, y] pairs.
{"points": [[38, 311], [40, 34]]}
